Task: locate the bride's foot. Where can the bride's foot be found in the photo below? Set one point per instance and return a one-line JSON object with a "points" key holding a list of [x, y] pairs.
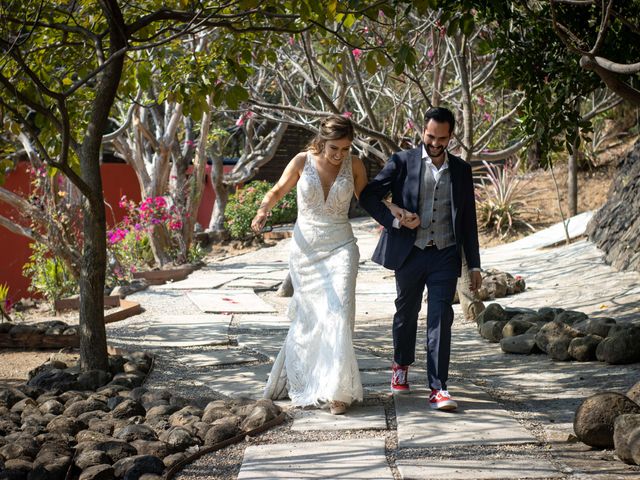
{"points": [[337, 408]]}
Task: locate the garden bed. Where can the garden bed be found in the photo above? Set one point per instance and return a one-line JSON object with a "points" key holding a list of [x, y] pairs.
{"points": [[56, 334]]}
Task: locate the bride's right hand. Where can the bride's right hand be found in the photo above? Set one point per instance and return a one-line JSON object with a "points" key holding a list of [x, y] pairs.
{"points": [[259, 221]]}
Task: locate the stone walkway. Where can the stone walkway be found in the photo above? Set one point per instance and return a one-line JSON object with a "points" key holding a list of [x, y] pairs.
{"points": [[515, 412]]}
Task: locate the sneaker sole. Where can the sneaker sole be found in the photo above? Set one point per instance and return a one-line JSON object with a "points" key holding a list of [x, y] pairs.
{"points": [[444, 406], [401, 392]]}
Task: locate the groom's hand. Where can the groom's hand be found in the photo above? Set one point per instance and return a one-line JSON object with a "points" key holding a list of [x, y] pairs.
{"points": [[410, 220], [476, 280]]}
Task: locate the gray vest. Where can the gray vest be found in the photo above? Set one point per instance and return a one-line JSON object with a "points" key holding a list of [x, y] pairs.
{"points": [[436, 223]]}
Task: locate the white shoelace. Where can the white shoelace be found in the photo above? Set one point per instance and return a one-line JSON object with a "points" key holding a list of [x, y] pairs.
{"points": [[400, 376]]}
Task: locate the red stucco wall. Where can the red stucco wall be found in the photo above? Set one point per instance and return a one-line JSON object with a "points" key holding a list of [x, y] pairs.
{"points": [[118, 180]]}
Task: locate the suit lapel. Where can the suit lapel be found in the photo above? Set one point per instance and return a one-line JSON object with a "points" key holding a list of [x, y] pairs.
{"points": [[414, 179], [456, 195]]}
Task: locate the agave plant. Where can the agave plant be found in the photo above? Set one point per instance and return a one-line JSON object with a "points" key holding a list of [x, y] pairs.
{"points": [[501, 199]]}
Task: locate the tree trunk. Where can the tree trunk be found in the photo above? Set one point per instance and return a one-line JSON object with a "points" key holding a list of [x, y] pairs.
{"points": [[221, 196], [572, 179], [197, 177], [93, 338], [534, 156], [467, 107]]}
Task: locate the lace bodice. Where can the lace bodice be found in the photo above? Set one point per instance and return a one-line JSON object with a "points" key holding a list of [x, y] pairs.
{"points": [[311, 203]]}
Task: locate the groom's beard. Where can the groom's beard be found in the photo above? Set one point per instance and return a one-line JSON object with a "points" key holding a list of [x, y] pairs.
{"points": [[435, 152]]}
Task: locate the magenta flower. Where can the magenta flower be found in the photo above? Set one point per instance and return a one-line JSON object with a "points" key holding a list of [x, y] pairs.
{"points": [[481, 100], [486, 117], [357, 53], [430, 53], [347, 114]]}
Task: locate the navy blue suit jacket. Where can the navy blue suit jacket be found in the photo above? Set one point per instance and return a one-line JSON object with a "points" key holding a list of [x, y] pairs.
{"points": [[402, 176]]}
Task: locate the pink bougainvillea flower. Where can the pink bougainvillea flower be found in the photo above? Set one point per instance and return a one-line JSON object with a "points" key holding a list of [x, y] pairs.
{"points": [[357, 53], [292, 40], [486, 117], [410, 125], [430, 53], [347, 114], [481, 100]]}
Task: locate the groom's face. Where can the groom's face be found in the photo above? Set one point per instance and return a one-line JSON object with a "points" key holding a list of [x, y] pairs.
{"points": [[436, 137]]}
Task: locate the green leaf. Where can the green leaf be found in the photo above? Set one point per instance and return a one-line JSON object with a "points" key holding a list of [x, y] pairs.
{"points": [[452, 29], [468, 24], [235, 95], [370, 64]]}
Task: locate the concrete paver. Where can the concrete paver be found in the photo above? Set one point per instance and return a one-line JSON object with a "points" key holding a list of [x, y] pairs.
{"points": [[241, 381], [485, 468], [187, 331], [198, 282], [218, 301], [261, 322], [338, 459], [358, 417], [217, 357], [254, 283], [268, 345], [477, 421]]}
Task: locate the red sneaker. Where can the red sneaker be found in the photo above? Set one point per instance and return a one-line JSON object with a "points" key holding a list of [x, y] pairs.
{"points": [[441, 400], [399, 379]]}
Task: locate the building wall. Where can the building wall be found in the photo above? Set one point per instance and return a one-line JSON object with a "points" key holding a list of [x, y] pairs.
{"points": [[118, 179]]}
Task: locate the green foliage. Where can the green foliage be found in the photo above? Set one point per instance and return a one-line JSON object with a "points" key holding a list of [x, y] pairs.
{"points": [[500, 199], [49, 275], [128, 255], [196, 253], [5, 302], [244, 203]]}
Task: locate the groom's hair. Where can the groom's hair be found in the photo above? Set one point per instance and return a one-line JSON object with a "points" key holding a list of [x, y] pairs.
{"points": [[440, 115]]}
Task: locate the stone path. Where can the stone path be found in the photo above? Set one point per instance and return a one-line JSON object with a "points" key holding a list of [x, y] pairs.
{"points": [[512, 409]]}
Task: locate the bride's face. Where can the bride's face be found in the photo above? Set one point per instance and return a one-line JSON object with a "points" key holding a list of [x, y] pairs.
{"points": [[335, 151]]}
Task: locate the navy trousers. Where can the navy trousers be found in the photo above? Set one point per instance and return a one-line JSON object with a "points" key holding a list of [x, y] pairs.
{"points": [[438, 270]]}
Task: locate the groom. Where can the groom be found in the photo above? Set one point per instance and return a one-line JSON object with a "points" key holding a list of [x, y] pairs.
{"points": [[433, 223]]}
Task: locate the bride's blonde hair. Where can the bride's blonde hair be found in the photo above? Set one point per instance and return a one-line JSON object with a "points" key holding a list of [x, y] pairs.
{"points": [[334, 127]]}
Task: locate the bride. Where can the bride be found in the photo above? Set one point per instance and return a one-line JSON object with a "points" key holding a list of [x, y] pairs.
{"points": [[317, 363]]}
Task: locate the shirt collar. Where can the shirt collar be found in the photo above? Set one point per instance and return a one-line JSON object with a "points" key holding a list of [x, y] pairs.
{"points": [[428, 161]]}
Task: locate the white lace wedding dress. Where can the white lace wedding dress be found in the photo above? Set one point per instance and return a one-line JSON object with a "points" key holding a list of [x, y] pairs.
{"points": [[317, 362]]}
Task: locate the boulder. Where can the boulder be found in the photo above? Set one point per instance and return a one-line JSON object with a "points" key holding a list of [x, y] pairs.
{"points": [[51, 406], [492, 330], [17, 468], [570, 316], [522, 344], [54, 379], [50, 466], [65, 425], [210, 415], [556, 331], [584, 348], [516, 326], [171, 460], [132, 468], [98, 472], [493, 312], [127, 409], [222, 429], [90, 458], [9, 396], [621, 346], [634, 393], [595, 326], [116, 449], [83, 406], [593, 423], [626, 438], [161, 410], [179, 438], [135, 432], [156, 448], [264, 411]]}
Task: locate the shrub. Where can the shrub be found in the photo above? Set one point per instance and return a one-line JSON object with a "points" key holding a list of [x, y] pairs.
{"points": [[244, 203], [49, 275], [128, 242], [501, 199]]}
